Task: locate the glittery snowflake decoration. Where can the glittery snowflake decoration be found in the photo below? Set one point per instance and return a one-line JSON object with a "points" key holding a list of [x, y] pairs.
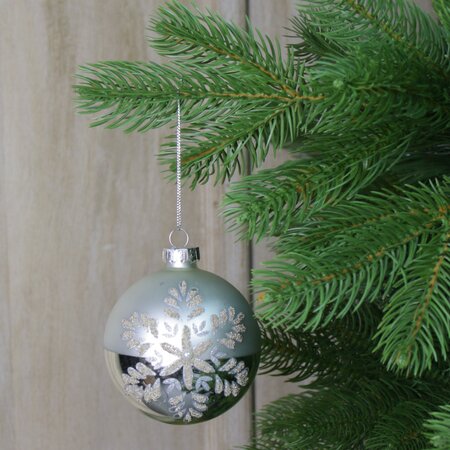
{"points": [[200, 369]]}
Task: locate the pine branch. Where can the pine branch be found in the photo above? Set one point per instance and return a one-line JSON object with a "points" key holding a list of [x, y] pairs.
{"points": [[364, 90], [420, 202], [443, 11], [401, 428], [353, 414], [268, 203], [362, 251], [415, 330], [415, 167], [198, 38], [234, 111], [249, 100], [438, 428], [314, 42], [222, 147], [348, 24], [238, 90], [336, 354], [134, 96], [107, 84]]}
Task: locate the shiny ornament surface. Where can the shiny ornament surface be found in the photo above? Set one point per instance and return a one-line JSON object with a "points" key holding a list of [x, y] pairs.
{"points": [[182, 344]]}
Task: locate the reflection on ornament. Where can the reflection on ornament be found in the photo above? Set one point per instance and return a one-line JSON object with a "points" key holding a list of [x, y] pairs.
{"points": [[182, 344]]}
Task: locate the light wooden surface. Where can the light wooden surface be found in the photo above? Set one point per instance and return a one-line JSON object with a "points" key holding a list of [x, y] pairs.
{"points": [[83, 214]]}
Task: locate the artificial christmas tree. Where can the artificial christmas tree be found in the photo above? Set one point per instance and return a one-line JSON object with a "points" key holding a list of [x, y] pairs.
{"points": [[358, 295]]}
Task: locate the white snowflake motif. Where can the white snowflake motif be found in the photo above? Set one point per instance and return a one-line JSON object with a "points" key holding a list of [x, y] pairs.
{"points": [[183, 304], [134, 341], [188, 358], [198, 405], [141, 383], [188, 397], [228, 318]]}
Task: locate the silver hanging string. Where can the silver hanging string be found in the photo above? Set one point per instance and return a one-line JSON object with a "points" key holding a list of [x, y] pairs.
{"points": [[179, 205], [179, 224]]}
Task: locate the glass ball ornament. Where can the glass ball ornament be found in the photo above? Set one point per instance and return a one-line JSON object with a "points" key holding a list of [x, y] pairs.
{"points": [[182, 344]]}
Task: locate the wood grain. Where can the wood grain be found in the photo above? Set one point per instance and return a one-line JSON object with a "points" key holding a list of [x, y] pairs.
{"points": [[7, 409], [84, 213]]}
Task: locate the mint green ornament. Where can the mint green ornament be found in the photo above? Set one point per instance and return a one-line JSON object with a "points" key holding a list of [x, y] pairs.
{"points": [[182, 344]]}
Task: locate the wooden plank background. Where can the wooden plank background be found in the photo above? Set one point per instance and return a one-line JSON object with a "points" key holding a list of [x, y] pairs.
{"points": [[83, 213]]}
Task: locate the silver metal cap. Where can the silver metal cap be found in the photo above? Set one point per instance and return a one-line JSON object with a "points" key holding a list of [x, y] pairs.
{"points": [[181, 257]]}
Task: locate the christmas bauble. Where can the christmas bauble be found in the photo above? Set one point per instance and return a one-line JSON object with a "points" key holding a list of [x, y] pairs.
{"points": [[182, 344]]}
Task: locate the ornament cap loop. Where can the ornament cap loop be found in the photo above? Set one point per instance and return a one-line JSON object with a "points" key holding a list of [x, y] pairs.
{"points": [[181, 257], [180, 230]]}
